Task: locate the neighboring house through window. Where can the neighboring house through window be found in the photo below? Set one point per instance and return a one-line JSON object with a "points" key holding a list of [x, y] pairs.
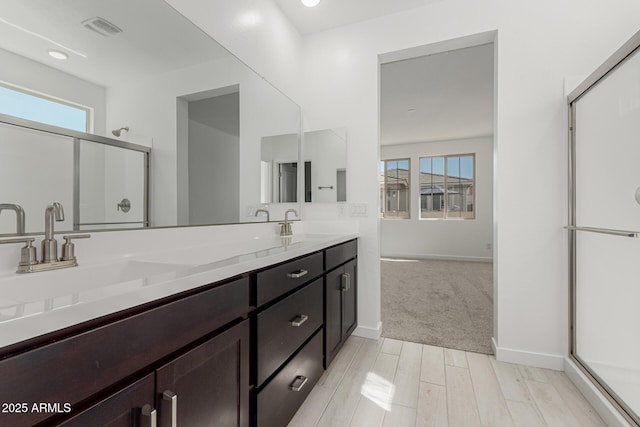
{"points": [[447, 187], [395, 188]]}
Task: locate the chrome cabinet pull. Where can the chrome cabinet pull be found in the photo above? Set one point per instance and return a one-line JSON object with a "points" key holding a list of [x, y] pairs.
{"points": [[297, 274], [151, 414], [298, 383], [346, 281], [299, 320], [170, 399]]}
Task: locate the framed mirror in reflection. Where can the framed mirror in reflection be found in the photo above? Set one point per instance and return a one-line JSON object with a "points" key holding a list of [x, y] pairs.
{"points": [[134, 73], [325, 165]]}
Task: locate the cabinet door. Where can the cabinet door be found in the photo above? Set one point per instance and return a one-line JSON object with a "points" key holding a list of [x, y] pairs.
{"points": [[129, 407], [209, 385], [349, 298], [333, 314]]}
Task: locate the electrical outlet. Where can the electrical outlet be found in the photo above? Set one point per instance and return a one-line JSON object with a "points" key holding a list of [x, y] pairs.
{"points": [[341, 209], [358, 210], [489, 246]]}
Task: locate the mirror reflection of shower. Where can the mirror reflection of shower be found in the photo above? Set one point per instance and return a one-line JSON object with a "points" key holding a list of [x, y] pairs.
{"points": [[117, 132]]}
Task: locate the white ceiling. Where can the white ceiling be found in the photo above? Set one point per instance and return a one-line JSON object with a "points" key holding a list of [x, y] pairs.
{"points": [[334, 13], [451, 93], [155, 38]]}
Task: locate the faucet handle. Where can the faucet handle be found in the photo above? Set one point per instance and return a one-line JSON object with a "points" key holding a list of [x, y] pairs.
{"points": [[285, 229], [68, 248], [28, 254]]}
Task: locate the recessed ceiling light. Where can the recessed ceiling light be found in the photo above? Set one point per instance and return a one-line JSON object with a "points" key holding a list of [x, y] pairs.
{"points": [[57, 54], [310, 3], [411, 110]]}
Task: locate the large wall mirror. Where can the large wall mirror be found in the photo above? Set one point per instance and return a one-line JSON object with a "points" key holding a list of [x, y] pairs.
{"points": [[91, 89], [325, 165]]}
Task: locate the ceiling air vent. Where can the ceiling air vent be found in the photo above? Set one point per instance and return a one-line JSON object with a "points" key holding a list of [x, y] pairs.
{"points": [[101, 26]]}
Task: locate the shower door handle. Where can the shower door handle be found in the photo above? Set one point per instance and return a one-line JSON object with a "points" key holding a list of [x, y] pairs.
{"points": [[610, 231]]}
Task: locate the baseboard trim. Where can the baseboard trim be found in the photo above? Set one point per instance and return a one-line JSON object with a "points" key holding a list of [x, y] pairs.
{"points": [[600, 403], [368, 332], [436, 257], [529, 358]]}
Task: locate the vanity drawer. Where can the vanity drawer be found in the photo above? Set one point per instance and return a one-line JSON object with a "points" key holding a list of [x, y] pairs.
{"points": [[281, 398], [339, 254], [282, 328], [106, 355], [279, 280]]}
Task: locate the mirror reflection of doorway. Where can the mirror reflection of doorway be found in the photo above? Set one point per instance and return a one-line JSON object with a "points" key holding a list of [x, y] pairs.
{"points": [[307, 182], [288, 182]]}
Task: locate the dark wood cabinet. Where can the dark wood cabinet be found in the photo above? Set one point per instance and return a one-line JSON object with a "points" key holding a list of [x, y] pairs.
{"points": [[284, 327], [209, 385], [131, 406], [74, 368], [340, 303], [240, 352], [283, 395], [276, 281]]}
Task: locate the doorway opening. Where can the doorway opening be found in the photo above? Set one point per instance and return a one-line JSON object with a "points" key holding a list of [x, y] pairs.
{"points": [[436, 193], [208, 155]]}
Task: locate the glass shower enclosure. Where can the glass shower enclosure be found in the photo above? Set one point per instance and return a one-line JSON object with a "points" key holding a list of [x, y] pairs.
{"points": [[604, 225]]}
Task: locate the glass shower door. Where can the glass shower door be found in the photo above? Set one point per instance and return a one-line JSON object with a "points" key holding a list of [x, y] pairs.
{"points": [[111, 186], [605, 224]]}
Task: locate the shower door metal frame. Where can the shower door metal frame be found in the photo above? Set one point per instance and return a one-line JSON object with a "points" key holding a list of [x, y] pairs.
{"points": [[77, 136], [611, 64]]}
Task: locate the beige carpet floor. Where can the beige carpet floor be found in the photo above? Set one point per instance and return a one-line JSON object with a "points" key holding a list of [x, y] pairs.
{"points": [[442, 303]]}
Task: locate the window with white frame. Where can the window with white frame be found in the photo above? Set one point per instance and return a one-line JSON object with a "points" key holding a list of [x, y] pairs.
{"points": [[447, 186], [25, 104], [395, 188]]}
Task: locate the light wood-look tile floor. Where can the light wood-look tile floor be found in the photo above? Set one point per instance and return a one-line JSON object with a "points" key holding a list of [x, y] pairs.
{"points": [[398, 383]]}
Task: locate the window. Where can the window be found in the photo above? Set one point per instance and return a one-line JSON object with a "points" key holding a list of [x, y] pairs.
{"points": [[394, 188], [40, 108], [447, 187]]}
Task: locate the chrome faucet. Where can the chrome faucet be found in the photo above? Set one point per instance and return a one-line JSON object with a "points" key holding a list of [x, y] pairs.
{"points": [[49, 244], [285, 227], [263, 210], [19, 215]]}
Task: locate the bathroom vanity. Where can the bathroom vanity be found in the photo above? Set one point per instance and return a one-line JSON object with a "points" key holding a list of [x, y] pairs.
{"points": [[242, 350]]}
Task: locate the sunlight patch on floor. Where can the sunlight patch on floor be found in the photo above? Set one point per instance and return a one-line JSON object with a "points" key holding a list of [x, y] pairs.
{"points": [[378, 390]]}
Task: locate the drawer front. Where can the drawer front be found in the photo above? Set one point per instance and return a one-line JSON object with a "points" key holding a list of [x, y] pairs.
{"points": [[75, 368], [340, 254], [280, 279], [119, 409], [281, 398], [285, 326]]}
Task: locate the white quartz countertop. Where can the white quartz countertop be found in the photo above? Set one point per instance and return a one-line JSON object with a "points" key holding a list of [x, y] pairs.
{"points": [[35, 304]]}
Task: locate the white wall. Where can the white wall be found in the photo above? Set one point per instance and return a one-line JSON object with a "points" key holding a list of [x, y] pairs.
{"points": [[39, 77], [149, 107], [537, 45], [44, 164], [274, 150], [442, 238], [256, 32], [327, 151], [213, 175]]}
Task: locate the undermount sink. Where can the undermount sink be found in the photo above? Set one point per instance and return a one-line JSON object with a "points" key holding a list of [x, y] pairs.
{"points": [[33, 287], [210, 253], [33, 293]]}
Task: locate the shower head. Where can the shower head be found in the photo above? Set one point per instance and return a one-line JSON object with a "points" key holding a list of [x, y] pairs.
{"points": [[117, 132]]}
